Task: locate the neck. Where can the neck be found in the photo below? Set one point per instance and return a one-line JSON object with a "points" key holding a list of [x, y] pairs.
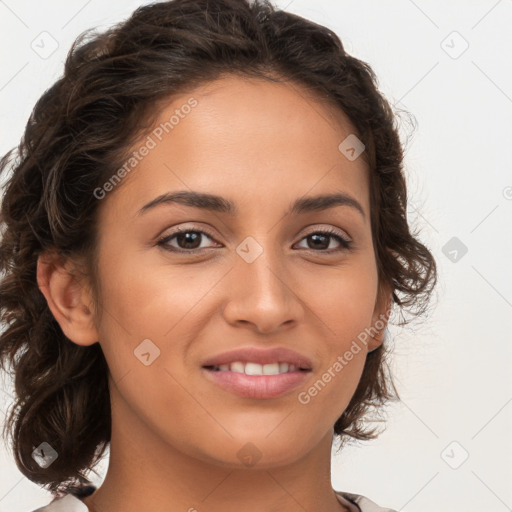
{"points": [[145, 473]]}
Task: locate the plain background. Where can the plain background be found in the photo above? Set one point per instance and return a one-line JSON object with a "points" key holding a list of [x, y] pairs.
{"points": [[447, 446]]}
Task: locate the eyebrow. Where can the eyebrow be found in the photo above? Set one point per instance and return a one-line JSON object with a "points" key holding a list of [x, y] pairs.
{"points": [[220, 204]]}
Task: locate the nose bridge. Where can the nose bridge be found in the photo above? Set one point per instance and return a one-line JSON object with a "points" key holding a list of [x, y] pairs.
{"points": [[260, 293], [259, 264]]}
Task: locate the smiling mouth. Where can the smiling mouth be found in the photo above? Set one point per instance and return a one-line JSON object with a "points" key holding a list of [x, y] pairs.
{"points": [[249, 368], [257, 381]]}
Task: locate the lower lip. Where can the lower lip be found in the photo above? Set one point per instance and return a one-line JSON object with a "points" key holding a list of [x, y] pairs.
{"points": [[257, 386]]}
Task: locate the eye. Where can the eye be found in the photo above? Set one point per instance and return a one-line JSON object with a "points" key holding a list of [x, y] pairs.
{"points": [[320, 240], [189, 240]]}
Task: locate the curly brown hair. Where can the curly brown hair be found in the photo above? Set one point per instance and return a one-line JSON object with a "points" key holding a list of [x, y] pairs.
{"points": [[80, 132]]}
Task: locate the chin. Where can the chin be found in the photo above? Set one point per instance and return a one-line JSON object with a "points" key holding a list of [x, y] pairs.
{"points": [[260, 451]]}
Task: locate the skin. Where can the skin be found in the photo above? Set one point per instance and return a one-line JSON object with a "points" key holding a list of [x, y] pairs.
{"points": [[175, 435]]}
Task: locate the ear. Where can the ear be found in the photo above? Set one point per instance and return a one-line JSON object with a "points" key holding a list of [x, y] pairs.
{"points": [[380, 316], [68, 297]]}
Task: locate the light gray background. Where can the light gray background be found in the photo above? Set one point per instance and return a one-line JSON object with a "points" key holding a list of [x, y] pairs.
{"points": [[453, 368]]}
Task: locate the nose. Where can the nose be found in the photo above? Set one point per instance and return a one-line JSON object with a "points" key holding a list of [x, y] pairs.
{"points": [[262, 294]]}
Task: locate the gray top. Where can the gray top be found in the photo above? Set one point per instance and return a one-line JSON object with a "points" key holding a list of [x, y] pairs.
{"points": [[354, 502]]}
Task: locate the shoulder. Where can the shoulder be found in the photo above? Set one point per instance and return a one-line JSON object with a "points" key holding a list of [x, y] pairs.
{"points": [[362, 503], [69, 502]]}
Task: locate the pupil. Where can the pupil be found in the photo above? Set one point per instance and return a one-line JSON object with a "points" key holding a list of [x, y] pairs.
{"points": [[189, 237], [316, 237]]}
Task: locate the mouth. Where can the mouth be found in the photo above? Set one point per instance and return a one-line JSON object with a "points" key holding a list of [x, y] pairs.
{"points": [[258, 361], [252, 368], [254, 372], [257, 381]]}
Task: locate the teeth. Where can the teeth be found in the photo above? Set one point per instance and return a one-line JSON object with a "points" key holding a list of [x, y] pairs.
{"points": [[253, 369], [257, 369], [270, 369], [237, 367]]}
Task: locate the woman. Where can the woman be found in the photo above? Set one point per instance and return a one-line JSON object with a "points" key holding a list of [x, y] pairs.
{"points": [[204, 237]]}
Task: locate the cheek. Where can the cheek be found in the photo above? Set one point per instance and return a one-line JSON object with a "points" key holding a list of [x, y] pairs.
{"points": [[345, 299], [161, 303], [149, 299], [329, 393]]}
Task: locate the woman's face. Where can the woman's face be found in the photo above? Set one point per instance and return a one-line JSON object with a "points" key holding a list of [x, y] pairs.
{"points": [[256, 277]]}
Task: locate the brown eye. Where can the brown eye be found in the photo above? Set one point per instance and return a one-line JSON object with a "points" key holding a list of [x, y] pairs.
{"points": [[187, 240], [319, 241]]}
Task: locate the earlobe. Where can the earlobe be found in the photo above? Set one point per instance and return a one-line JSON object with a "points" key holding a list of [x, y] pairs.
{"points": [[68, 298]]}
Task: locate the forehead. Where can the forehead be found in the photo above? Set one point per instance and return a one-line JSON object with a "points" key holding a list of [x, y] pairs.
{"points": [[246, 139]]}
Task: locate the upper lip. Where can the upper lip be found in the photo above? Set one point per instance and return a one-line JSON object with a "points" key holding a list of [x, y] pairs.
{"points": [[261, 356]]}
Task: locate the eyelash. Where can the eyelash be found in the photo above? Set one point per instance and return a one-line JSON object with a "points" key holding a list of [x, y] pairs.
{"points": [[163, 241]]}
